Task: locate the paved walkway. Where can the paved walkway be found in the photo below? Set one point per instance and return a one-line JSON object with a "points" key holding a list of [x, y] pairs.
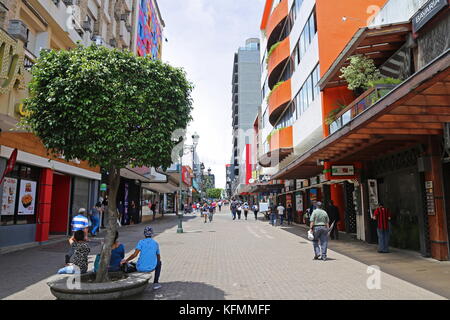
{"points": [[227, 259]]}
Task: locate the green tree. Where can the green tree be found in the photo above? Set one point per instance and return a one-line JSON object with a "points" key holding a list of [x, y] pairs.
{"points": [[110, 108], [214, 193]]}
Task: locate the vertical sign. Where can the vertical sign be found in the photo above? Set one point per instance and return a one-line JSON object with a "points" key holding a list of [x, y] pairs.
{"points": [[27, 197], [373, 194], [126, 204], [430, 198], [9, 196]]}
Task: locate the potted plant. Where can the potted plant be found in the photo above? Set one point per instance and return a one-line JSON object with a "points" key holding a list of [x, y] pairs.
{"points": [[331, 117], [272, 49], [359, 73]]}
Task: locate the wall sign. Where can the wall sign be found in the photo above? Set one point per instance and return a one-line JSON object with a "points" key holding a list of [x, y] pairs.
{"points": [[430, 198], [9, 196], [27, 197], [432, 8], [338, 171]]}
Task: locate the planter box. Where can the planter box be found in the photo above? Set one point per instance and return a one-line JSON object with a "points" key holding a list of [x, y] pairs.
{"points": [[63, 287]]}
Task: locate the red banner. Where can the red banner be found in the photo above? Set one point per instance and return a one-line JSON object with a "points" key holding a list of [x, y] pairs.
{"points": [[10, 164]]}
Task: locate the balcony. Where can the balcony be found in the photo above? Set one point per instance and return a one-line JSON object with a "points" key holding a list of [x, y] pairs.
{"points": [[279, 98], [280, 146], [276, 23], [358, 106], [277, 61], [29, 60]]}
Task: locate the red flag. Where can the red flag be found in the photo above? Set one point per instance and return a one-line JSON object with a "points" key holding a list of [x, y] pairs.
{"points": [[10, 164]]}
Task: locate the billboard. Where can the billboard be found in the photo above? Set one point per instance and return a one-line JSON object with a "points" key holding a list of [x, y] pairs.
{"points": [[149, 30]]}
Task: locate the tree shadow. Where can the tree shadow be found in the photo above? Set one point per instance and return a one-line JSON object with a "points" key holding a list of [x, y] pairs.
{"points": [[181, 290]]}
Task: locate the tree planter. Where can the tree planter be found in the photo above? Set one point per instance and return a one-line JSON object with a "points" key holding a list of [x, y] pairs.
{"points": [[125, 285]]}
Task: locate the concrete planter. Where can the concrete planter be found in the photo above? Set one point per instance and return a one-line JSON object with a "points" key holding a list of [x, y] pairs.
{"points": [[69, 287]]}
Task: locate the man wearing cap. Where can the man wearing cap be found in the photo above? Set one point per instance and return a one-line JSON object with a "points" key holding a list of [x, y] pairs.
{"points": [[81, 222], [149, 257], [320, 224]]}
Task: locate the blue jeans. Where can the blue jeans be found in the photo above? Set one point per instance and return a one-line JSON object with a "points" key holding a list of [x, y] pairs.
{"points": [[281, 219], [69, 270], [383, 240], [95, 224], [273, 219], [320, 234]]}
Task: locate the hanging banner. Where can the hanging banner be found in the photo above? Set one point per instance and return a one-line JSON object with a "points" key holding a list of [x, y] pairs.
{"points": [[373, 194], [9, 196], [125, 203], [10, 164], [27, 197], [299, 202]]}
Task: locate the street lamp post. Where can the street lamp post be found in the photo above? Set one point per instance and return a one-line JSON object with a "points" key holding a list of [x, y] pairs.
{"points": [[195, 138]]}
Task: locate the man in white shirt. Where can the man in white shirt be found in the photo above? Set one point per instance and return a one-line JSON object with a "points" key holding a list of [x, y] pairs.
{"points": [[280, 210]]}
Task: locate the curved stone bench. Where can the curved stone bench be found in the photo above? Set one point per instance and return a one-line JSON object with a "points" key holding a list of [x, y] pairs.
{"points": [[131, 284]]}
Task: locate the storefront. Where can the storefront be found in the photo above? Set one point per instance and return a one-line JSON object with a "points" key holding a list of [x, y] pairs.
{"points": [[40, 195]]}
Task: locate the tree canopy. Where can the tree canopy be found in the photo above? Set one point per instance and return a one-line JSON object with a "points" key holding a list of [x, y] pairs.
{"points": [[107, 106], [214, 193]]}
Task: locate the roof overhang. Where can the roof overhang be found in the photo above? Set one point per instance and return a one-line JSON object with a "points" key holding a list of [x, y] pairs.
{"points": [[378, 43], [407, 116]]}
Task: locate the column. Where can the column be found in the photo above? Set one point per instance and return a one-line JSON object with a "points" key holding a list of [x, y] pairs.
{"points": [[44, 205], [437, 221]]}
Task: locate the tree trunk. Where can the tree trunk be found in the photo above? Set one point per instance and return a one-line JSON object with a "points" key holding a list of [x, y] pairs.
{"points": [[111, 216]]}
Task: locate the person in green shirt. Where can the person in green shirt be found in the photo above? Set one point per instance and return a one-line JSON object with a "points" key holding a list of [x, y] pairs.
{"points": [[320, 224]]}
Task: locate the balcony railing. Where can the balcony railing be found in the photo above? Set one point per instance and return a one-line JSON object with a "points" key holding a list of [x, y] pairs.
{"points": [[362, 103]]}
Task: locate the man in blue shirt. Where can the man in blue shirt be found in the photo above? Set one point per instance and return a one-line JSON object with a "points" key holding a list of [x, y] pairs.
{"points": [[149, 256], [81, 222]]}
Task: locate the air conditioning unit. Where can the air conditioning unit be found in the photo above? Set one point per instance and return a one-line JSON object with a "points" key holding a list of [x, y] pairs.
{"points": [[113, 42], [18, 30], [98, 40]]}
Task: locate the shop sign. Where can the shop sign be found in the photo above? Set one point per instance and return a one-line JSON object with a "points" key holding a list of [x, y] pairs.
{"points": [[27, 197], [298, 184], [373, 194], [305, 183], [103, 187], [430, 198], [322, 178], [340, 171], [432, 8], [9, 196], [299, 202], [12, 68]]}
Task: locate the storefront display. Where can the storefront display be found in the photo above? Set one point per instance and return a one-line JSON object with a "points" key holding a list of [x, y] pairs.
{"points": [[27, 197], [9, 196]]}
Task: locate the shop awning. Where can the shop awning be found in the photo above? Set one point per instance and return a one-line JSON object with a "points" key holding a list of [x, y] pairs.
{"points": [[378, 43], [415, 109]]}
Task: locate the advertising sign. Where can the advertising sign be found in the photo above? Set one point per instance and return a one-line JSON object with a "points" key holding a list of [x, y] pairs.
{"points": [[263, 206], [342, 171], [299, 202], [9, 196], [432, 8], [27, 197]]}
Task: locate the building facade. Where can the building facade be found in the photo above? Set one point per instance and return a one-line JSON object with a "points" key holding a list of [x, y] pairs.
{"points": [[246, 99], [387, 144], [42, 193]]}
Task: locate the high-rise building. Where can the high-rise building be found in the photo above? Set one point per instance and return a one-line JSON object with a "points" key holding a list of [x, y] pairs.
{"points": [[246, 99]]}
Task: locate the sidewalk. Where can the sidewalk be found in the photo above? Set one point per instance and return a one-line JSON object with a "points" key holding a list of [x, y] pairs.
{"points": [[407, 265]]}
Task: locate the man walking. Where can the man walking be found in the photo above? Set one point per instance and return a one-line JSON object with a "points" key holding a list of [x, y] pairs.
{"points": [[280, 210], [273, 215], [220, 205], [233, 208], [333, 213], [81, 222], [255, 210], [383, 216], [320, 224]]}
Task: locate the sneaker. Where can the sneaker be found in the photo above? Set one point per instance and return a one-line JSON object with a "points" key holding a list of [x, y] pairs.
{"points": [[324, 258], [156, 286], [316, 257]]}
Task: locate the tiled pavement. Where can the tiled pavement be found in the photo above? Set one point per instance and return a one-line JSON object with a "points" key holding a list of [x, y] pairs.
{"points": [[224, 259]]}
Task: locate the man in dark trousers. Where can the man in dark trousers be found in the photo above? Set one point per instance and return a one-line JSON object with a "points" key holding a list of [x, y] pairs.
{"points": [[333, 213], [382, 216]]}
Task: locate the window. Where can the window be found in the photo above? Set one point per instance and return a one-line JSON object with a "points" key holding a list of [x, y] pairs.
{"points": [[20, 194], [307, 35]]}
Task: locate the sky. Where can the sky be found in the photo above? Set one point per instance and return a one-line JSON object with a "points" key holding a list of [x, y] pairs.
{"points": [[202, 37]]}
